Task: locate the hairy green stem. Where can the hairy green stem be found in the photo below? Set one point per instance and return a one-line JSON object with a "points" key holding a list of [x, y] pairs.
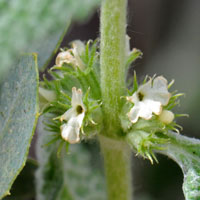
{"points": [[117, 169], [112, 61], [117, 159]]}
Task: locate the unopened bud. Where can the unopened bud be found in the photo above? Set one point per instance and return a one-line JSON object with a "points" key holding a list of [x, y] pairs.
{"points": [[166, 116]]}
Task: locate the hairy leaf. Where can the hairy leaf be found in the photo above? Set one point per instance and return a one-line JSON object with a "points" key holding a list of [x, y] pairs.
{"points": [[36, 26], [186, 152], [69, 176], [18, 116]]}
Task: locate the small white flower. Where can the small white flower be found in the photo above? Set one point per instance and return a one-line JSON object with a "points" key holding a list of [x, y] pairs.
{"points": [[72, 56], [65, 57], [70, 131], [149, 99]]}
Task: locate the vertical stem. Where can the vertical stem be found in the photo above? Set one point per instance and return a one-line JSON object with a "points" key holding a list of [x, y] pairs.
{"points": [[117, 169], [112, 60], [116, 154]]}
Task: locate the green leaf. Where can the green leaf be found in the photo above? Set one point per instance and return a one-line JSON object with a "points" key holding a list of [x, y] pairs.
{"points": [[186, 152], [71, 176], [18, 117], [36, 26]]}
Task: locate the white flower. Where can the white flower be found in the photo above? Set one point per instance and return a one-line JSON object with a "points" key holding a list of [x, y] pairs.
{"points": [[149, 99], [72, 56], [70, 131], [65, 57]]}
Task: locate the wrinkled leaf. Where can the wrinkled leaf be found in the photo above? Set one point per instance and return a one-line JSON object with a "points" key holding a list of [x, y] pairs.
{"points": [[36, 26], [69, 177], [186, 152], [18, 116]]}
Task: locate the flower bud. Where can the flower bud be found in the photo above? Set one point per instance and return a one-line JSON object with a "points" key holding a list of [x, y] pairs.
{"points": [[166, 116]]}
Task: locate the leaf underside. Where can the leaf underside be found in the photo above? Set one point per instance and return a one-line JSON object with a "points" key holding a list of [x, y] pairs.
{"points": [[18, 117], [186, 152]]}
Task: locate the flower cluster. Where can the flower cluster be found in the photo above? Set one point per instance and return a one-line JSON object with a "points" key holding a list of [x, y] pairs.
{"points": [[70, 101], [150, 116], [72, 114]]}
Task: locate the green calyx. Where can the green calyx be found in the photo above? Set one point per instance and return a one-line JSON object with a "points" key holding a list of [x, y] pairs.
{"points": [[145, 144]]}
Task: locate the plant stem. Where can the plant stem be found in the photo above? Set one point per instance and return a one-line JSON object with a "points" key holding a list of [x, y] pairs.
{"points": [[117, 169], [117, 159], [112, 61]]}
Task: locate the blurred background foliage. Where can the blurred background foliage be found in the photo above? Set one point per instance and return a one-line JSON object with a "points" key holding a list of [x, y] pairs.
{"points": [[168, 33], [36, 26]]}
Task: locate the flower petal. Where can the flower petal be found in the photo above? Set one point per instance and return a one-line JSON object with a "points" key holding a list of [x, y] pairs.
{"points": [[70, 131], [80, 118], [133, 115], [145, 111], [134, 98], [154, 106], [139, 110], [68, 114], [159, 91], [64, 57], [78, 47], [145, 88], [76, 97], [160, 84]]}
